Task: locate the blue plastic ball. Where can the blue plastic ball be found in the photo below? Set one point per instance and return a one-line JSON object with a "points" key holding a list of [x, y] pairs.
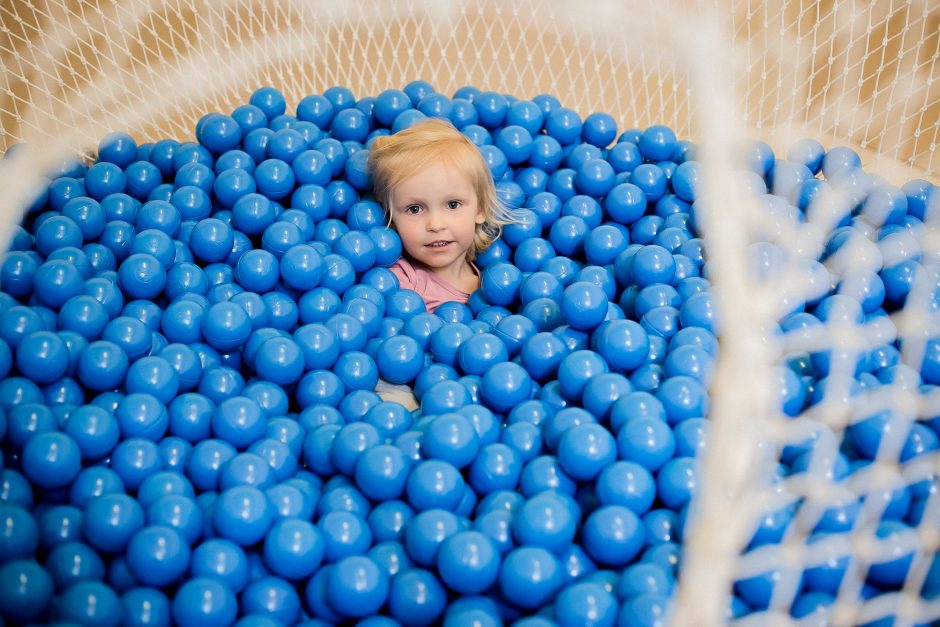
{"points": [[434, 484], [595, 177], [232, 185], [26, 590], [344, 534], [389, 104], [686, 180], [399, 359], [585, 450], [657, 143], [350, 124], [51, 460], [136, 458], [683, 397], [211, 240], [20, 535], [504, 385], [475, 610], [90, 602], [492, 108], [42, 356], [381, 472], [417, 597], [499, 466], [145, 606], [577, 368], [142, 415], [239, 420], [218, 132], [599, 129], [839, 160], [142, 275], [426, 532], [586, 603], [479, 352], [269, 100], [652, 264], [57, 232], [542, 354], [155, 376], [644, 609], [246, 469], [530, 576], [515, 142], [111, 520], [270, 599], [496, 524], [564, 125], [202, 601], [612, 535], [357, 587], [61, 190], [158, 555], [651, 179], [226, 326], [293, 549], [104, 178], [17, 273], [221, 560], [547, 520], [445, 343], [242, 514], [274, 178], [280, 360], [58, 524], [95, 431], [93, 482], [55, 282], [118, 148], [450, 437], [500, 283], [583, 305], [180, 512]]}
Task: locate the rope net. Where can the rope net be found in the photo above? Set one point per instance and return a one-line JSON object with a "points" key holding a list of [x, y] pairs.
{"points": [[785, 500]]}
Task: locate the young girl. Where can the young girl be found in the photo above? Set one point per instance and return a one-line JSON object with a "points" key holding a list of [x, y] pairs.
{"points": [[440, 198]]}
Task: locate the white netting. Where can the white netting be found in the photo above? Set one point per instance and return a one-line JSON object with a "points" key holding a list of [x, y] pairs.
{"points": [[847, 73], [862, 74]]}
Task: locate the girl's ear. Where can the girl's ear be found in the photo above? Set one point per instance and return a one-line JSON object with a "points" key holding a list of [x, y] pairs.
{"points": [[480, 218]]}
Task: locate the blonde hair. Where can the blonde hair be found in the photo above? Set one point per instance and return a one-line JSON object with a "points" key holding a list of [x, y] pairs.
{"points": [[396, 158]]}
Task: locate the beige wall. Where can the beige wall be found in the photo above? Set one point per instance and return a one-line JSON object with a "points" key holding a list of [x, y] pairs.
{"points": [[862, 74]]}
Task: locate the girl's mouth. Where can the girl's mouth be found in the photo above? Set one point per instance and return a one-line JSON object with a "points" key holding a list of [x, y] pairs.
{"points": [[438, 244]]}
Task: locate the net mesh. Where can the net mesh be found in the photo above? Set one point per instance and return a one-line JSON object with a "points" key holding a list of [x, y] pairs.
{"points": [[859, 74], [721, 73]]}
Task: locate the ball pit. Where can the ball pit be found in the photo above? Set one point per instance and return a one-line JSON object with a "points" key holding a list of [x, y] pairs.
{"points": [[191, 333]]}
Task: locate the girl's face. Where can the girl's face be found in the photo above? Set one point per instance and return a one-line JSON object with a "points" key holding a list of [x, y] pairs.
{"points": [[436, 214]]}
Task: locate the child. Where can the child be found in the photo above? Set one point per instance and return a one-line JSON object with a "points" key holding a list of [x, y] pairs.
{"points": [[440, 198]]}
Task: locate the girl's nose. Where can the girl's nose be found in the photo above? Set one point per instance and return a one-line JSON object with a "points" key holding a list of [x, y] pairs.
{"points": [[435, 221]]}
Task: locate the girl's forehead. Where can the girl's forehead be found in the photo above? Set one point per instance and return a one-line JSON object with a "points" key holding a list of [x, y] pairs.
{"points": [[436, 174]]}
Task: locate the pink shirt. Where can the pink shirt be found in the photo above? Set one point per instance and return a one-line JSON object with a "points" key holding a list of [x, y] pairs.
{"points": [[432, 288]]}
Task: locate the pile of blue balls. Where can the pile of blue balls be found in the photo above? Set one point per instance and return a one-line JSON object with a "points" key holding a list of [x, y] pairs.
{"points": [[191, 334]]}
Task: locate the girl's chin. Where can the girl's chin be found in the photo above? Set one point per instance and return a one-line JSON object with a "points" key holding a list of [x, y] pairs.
{"points": [[434, 263]]}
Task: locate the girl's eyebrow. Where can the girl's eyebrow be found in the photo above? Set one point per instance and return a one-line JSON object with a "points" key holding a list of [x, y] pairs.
{"points": [[408, 200]]}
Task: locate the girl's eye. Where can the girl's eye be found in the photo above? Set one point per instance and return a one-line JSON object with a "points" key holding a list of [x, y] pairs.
{"points": [[453, 204], [413, 209]]}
